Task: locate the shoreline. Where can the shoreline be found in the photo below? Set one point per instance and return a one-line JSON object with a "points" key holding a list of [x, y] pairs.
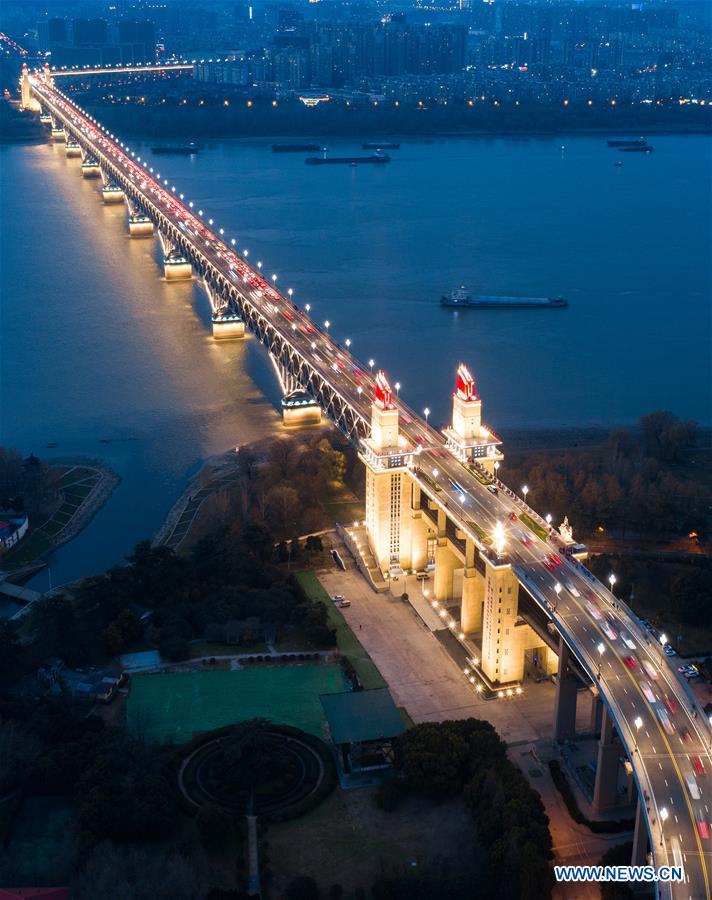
{"points": [[78, 473]]}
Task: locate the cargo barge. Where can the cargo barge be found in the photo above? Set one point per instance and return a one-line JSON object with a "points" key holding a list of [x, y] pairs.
{"points": [[462, 299]]}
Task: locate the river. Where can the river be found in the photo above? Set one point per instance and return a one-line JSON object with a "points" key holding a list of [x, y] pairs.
{"points": [[104, 358]]}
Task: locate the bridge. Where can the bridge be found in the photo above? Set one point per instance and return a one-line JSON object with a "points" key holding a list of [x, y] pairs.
{"points": [[433, 500]]}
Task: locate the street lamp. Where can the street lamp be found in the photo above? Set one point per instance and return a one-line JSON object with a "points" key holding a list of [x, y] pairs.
{"points": [[398, 388], [290, 292], [326, 324], [638, 722], [426, 413], [548, 518], [307, 307], [496, 467], [274, 279], [663, 641], [348, 343], [259, 266], [525, 491], [557, 588], [498, 537], [601, 650], [663, 819], [371, 363], [612, 580]]}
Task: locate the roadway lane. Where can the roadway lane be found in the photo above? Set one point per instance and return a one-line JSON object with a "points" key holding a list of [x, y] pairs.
{"points": [[672, 745]]}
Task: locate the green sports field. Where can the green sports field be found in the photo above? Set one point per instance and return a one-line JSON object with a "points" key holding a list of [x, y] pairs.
{"points": [[173, 706]]}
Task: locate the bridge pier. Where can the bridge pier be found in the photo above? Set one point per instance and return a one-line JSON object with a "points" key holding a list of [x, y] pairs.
{"points": [[419, 529], [502, 639], [566, 696], [640, 837], [176, 267], [72, 148], [57, 133], [299, 408], [112, 193], [90, 168], [473, 593], [228, 326], [140, 226], [596, 713], [605, 789]]}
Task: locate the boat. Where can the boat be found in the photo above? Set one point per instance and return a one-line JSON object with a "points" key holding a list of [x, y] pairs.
{"points": [[346, 160], [618, 163], [374, 145], [186, 149], [642, 148], [638, 142], [462, 298], [296, 148]]}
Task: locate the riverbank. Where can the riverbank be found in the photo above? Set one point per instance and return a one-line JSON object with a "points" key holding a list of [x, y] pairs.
{"points": [[85, 486]]}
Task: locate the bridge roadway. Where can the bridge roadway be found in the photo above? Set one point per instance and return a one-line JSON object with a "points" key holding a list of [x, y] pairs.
{"points": [[662, 759]]}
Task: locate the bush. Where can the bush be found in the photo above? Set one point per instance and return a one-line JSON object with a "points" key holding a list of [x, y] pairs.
{"points": [[390, 793], [619, 855], [303, 887], [213, 824], [174, 649]]}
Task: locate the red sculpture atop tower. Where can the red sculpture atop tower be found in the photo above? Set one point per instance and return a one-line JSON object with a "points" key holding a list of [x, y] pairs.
{"points": [[465, 384], [383, 396]]}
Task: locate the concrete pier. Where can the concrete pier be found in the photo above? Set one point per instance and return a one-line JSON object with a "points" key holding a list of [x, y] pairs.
{"points": [[299, 408], [176, 267], [228, 327], [140, 226], [566, 696], [111, 193], [58, 134], [605, 790], [90, 169]]}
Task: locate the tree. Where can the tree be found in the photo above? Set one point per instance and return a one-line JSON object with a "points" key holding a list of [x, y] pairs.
{"points": [[303, 887], [214, 825]]}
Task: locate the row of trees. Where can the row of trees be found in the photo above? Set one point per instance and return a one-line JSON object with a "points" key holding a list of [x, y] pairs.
{"points": [[26, 484], [467, 758], [639, 482]]}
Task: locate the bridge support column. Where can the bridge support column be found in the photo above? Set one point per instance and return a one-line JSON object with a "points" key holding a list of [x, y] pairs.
{"points": [[72, 149], [419, 529], [566, 696], [299, 408], [605, 789], [140, 226], [58, 133], [596, 714], [176, 267], [640, 837], [502, 652], [228, 326], [90, 168], [473, 593]]}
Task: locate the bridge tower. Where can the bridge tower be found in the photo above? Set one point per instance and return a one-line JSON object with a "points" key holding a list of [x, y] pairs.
{"points": [[387, 456], [25, 93], [467, 437]]}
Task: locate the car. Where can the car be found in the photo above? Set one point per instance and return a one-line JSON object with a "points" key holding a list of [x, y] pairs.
{"points": [[548, 563], [513, 517], [343, 604], [492, 489], [569, 587], [648, 692], [669, 651], [698, 765], [337, 598], [671, 704], [608, 631], [650, 669], [688, 671], [593, 609], [702, 827], [665, 719], [627, 640], [631, 662], [692, 786], [685, 736], [556, 560]]}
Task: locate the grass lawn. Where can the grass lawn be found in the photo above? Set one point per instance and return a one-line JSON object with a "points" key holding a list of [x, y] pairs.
{"points": [[346, 640], [533, 526], [173, 706], [348, 841]]}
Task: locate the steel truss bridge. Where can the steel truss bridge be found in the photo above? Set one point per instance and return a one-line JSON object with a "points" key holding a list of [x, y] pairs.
{"points": [[666, 762]]}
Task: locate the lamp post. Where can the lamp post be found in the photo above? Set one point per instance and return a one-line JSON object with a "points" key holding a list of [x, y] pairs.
{"points": [[496, 468], [557, 589], [548, 519], [663, 641], [327, 324], [638, 722], [371, 364], [663, 819], [525, 491], [290, 292], [426, 413], [348, 343], [601, 650], [612, 580], [398, 387], [307, 307]]}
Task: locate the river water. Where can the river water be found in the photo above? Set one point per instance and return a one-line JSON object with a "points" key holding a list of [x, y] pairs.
{"points": [[104, 358]]}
